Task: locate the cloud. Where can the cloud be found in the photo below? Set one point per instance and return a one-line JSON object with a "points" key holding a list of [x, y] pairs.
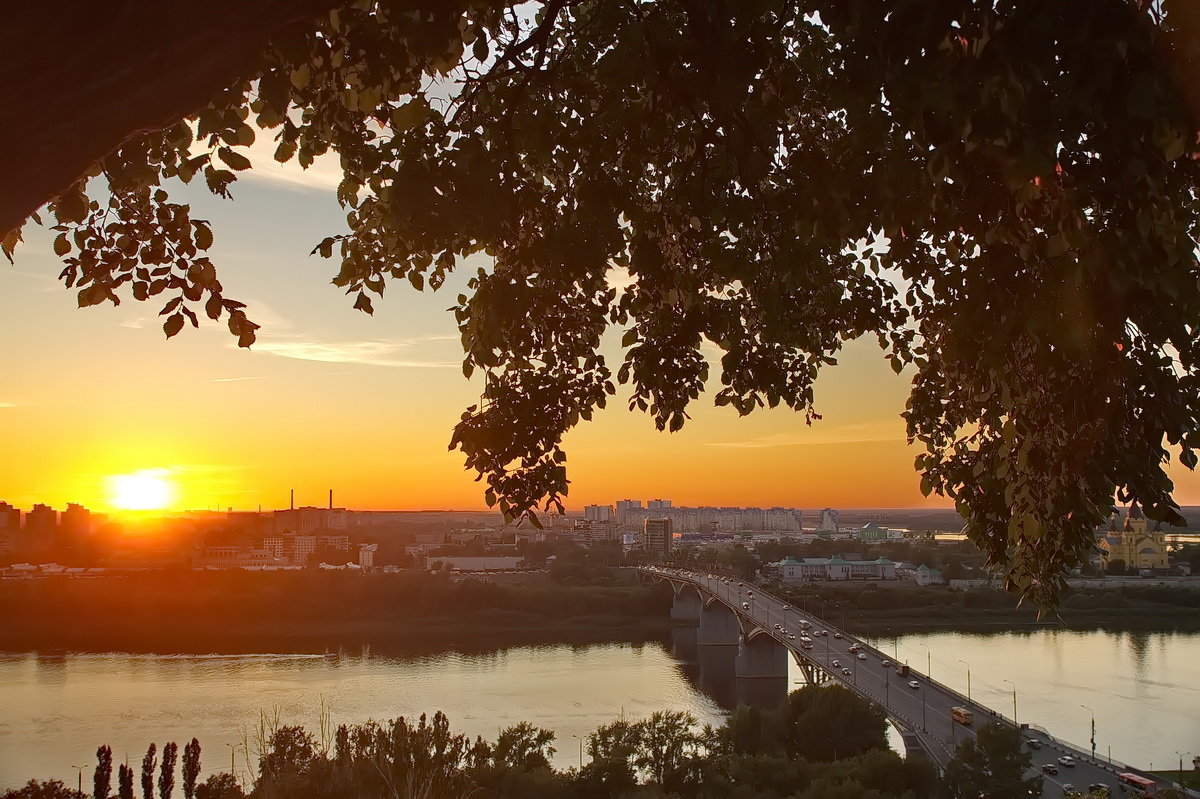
{"points": [[377, 352], [324, 174], [8, 404], [237, 379]]}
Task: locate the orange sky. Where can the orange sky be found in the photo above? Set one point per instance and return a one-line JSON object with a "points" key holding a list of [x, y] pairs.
{"points": [[332, 398]]}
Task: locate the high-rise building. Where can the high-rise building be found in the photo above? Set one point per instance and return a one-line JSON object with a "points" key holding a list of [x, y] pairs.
{"points": [[828, 523], [658, 505], [625, 508], [598, 513], [10, 517], [658, 536], [76, 523]]}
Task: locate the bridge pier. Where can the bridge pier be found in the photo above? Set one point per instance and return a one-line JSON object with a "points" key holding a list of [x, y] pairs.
{"points": [[686, 605], [761, 669], [812, 674], [718, 626], [717, 638]]}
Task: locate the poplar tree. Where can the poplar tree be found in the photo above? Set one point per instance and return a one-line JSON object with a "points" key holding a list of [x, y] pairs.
{"points": [[166, 776], [102, 777], [191, 768], [149, 762]]}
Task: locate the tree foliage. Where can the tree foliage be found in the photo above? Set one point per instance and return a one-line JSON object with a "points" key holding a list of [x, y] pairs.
{"points": [[1002, 192], [991, 763]]}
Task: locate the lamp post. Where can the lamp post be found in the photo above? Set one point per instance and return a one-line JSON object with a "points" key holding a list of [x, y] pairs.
{"points": [[968, 665], [577, 738], [79, 775], [1014, 687], [233, 763], [1181, 754], [928, 661], [1088, 709]]}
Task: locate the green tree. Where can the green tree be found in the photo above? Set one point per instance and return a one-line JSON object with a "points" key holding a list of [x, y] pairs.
{"points": [[102, 776], [124, 782], [830, 723], [191, 767], [992, 763], [611, 749], [1003, 195], [149, 762], [669, 749], [524, 746], [166, 773], [219, 786], [54, 789]]}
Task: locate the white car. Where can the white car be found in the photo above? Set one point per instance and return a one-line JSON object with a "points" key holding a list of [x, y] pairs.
{"points": [[745, 606], [837, 664], [914, 684], [862, 656], [846, 672], [1067, 761], [853, 647]]}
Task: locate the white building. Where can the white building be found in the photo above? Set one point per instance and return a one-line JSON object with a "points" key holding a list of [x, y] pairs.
{"points": [[835, 568], [598, 513], [828, 522]]}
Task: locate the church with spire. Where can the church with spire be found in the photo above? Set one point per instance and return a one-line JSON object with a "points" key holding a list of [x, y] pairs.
{"points": [[1134, 542]]}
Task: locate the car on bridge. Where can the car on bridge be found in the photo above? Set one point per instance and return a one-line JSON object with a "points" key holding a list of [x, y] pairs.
{"points": [[836, 663], [745, 606], [1033, 743], [846, 672], [862, 655], [853, 647], [1067, 761], [837, 635], [913, 684], [885, 663]]}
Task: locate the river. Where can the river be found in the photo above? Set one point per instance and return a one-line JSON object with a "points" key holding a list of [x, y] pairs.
{"points": [[56, 709]]}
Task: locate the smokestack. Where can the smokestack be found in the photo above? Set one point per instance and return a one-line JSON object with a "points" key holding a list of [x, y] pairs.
{"points": [[293, 503], [331, 499]]}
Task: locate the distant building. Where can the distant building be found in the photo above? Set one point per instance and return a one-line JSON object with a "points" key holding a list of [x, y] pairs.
{"points": [[310, 520], [871, 532], [366, 555], [625, 508], [1134, 544], [658, 536], [836, 568], [473, 564], [598, 513], [290, 548], [928, 576], [76, 524], [594, 532], [828, 522], [10, 528], [658, 505]]}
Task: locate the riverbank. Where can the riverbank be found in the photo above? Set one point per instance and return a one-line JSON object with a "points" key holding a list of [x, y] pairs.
{"points": [[315, 612], [874, 609]]}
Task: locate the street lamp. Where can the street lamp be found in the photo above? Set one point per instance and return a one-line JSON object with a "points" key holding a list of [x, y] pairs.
{"points": [[1014, 687], [576, 737], [928, 661], [233, 763], [1181, 755], [1088, 709], [968, 665], [79, 774]]}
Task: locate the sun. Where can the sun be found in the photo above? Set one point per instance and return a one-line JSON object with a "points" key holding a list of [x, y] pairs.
{"points": [[149, 489]]}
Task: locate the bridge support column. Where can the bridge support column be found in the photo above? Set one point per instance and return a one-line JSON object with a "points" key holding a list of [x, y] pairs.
{"points": [[716, 650], [762, 657], [761, 667], [718, 626], [686, 605]]}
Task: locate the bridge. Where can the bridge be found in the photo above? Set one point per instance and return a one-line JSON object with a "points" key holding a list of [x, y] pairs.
{"points": [[759, 632]]}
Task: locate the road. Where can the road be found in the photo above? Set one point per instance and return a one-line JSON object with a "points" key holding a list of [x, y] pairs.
{"points": [[914, 702]]}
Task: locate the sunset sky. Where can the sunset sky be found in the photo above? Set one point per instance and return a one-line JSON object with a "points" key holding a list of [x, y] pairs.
{"points": [[333, 398]]}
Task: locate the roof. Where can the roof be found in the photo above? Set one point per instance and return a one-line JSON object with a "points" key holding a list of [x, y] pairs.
{"points": [[1135, 511], [882, 561], [789, 561], [836, 560]]}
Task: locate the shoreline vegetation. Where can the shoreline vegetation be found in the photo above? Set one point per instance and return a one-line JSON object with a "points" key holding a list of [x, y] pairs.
{"points": [[412, 613], [821, 743]]}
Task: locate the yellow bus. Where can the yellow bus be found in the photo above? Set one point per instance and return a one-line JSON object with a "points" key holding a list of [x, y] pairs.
{"points": [[962, 715]]}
